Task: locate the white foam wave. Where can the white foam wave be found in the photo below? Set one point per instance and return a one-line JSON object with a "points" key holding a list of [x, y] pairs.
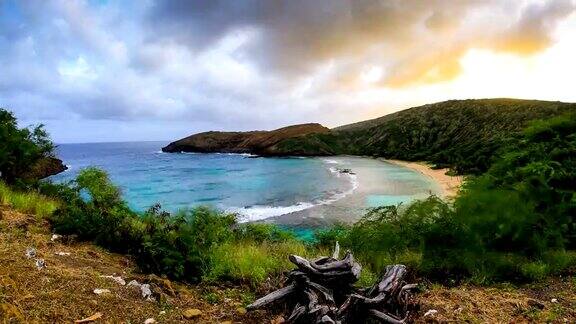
{"points": [[236, 154], [328, 161], [259, 212]]}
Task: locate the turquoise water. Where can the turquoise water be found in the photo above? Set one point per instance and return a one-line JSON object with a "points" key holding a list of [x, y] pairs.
{"points": [[291, 191]]}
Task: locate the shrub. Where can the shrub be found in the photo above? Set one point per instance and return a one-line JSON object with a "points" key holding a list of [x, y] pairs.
{"points": [[328, 237], [260, 232]]}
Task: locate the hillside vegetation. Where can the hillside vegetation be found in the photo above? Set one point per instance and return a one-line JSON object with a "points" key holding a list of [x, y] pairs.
{"points": [[461, 134]]}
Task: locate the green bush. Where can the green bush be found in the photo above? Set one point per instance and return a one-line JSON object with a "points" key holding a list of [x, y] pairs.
{"points": [[260, 232], [327, 237]]}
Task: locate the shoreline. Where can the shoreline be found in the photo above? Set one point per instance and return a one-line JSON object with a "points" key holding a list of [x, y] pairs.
{"points": [[450, 185]]}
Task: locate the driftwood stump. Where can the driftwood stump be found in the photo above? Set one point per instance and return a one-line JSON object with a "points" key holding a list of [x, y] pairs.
{"points": [[322, 291]]}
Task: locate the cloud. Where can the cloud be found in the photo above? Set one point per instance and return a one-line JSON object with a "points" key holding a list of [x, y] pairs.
{"points": [[417, 41], [244, 63]]}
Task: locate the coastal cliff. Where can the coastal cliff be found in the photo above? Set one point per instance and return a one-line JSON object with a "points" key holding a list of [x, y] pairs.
{"points": [[255, 142], [46, 167]]}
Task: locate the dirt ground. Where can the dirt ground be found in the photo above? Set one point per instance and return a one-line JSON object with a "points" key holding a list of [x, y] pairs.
{"points": [[63, 291]]}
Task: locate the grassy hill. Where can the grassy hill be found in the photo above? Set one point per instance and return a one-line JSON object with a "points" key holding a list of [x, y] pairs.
{"points": [[462, 134]]}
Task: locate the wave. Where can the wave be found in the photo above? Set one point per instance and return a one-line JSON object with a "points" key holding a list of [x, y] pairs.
{"points": [[328, 161], [260, 212], [237, 154]]}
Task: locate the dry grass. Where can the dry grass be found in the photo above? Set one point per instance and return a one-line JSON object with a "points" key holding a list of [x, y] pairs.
{"points": [[505, 304], [63, 291]]}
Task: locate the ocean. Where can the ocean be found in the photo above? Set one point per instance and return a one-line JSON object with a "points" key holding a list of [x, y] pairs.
{"points": [[298, 192]]}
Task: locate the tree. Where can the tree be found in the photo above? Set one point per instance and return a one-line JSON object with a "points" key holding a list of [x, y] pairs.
{"points": [[21, 148]]}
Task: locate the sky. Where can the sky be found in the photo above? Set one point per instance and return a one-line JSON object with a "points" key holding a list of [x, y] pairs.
{"points": [[104, 70]]}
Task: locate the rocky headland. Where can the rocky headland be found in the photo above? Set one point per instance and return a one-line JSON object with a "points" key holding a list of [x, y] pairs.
{"points": [[45, 167], [264, 143]]}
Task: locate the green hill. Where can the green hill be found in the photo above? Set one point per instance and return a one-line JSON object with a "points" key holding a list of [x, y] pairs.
{"points": [[462, 134]]}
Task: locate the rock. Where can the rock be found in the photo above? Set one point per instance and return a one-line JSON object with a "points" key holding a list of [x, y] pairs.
{"points": [[430, 312], [554, 300], [162, 312], [118, 279], [191, 313], [40, 264], [30, 252], [241, 311], [150, 321], [146, 292], [99, 291], [55, 237], [144, 289], [92, 318], [134, 283], [164, 284], [536, 303]]}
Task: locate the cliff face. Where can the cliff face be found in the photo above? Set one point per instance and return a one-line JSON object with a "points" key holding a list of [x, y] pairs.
{"points": [[46, 167], [257, 142]]}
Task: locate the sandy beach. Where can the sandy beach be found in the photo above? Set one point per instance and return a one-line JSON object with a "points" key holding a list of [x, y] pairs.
{"points": [[450, 185]]}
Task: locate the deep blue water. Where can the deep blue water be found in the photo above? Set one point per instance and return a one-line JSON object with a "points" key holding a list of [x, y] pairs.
{"points": [[257, 188]]}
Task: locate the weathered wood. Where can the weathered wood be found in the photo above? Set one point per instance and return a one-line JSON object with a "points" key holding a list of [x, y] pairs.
{"points": [[390, 281], [338, 265], [386, 318], [297, 313], [336, 253], [272, 297], [326, 293], [323, 292]]}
